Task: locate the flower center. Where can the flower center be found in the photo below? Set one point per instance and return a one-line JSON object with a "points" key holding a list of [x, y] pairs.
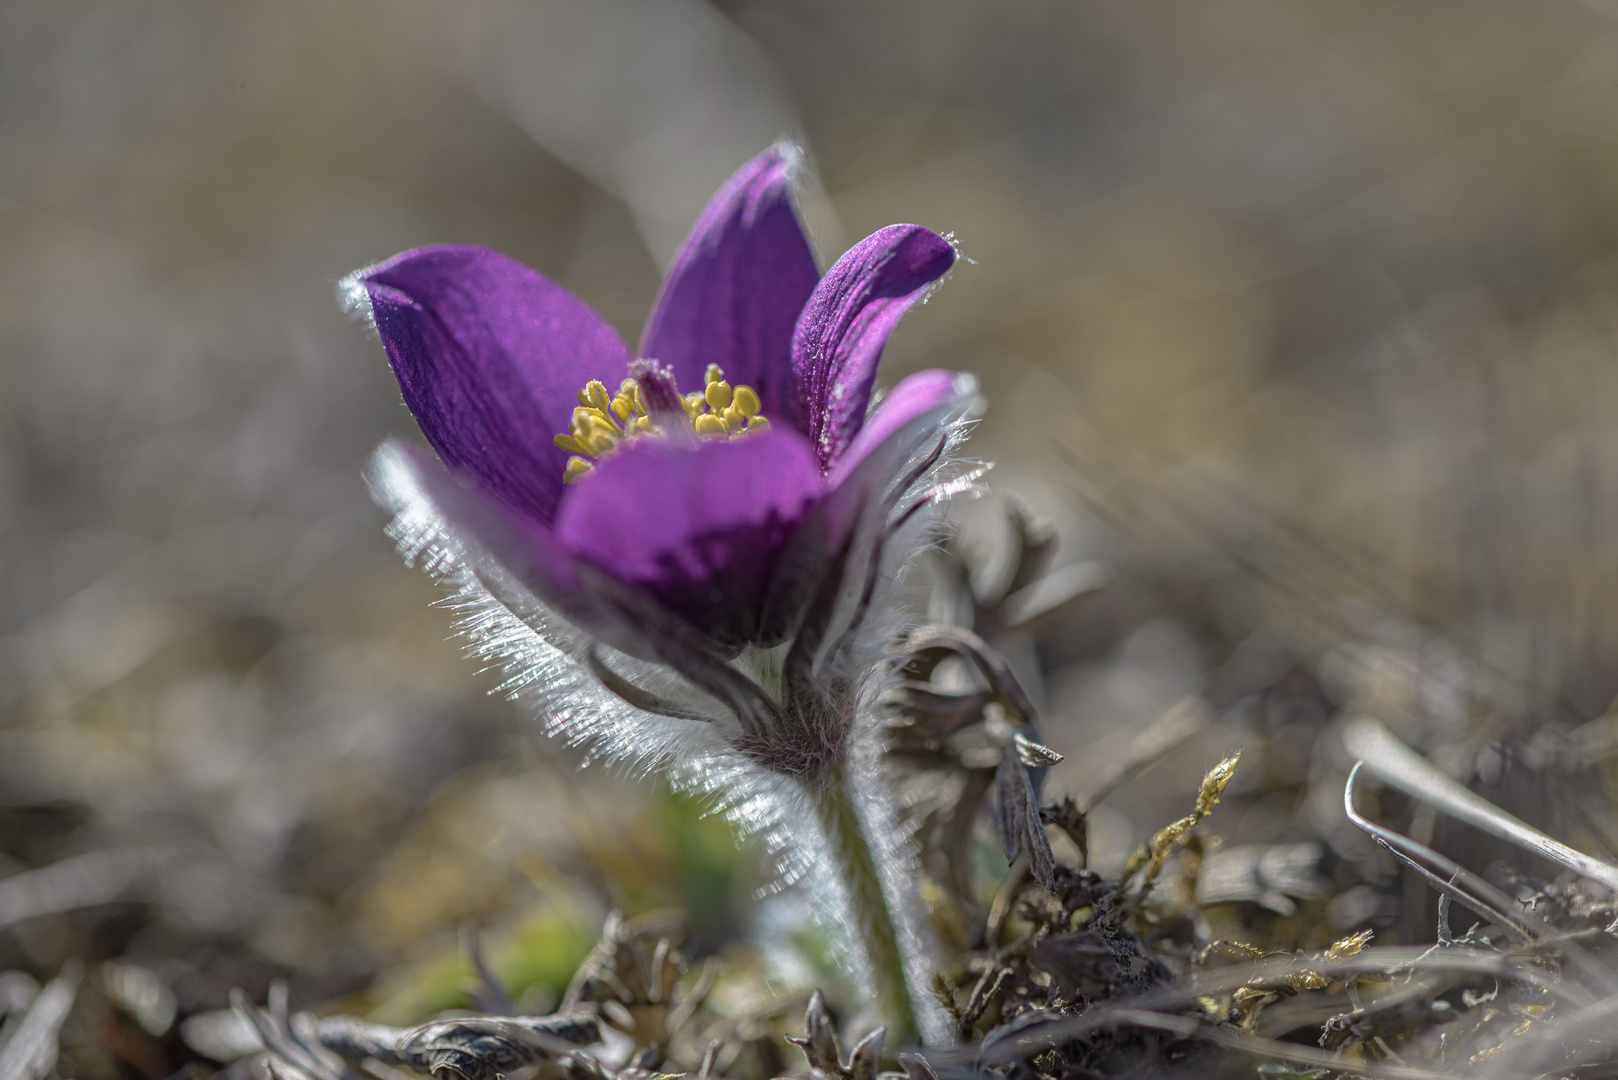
{"points": [[601, 423]]}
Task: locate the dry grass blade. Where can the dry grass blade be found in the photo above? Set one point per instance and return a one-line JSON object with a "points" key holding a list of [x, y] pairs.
{"points": [[31, 1051], [1183, 720], [18, 989], [1371, 963], [469, 1046], [1163, 1008], [1523, 926], [1259, 1046], [1580, 1038], [1413, 774], [489, 1047], [1052, 1031], [490, 996], [78, 882], [291, 1049]]}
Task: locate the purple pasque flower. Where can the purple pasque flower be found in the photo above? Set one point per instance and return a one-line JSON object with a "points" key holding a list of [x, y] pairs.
{"points": [[719, 506]]}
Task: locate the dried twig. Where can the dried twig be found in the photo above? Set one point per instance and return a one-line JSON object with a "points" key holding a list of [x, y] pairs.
{"points": [[1413, 774], [1183, 720], [31, 1051], [470, 1047], [1462, 886]]}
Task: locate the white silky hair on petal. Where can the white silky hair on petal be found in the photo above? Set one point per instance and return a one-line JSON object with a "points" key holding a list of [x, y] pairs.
{"points": [[353, 298], [541, 657]]}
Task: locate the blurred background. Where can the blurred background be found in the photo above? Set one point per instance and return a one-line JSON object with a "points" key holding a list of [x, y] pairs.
{"points": [[1297, 323]]}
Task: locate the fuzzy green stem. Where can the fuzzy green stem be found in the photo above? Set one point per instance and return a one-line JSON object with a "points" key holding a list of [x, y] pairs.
{"points": [[875, 923]]}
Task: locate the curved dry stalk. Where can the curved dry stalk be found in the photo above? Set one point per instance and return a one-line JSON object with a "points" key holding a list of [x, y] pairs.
{"points": [[1467, 888], [983, 656], [1463, 886], [1397, 764]]}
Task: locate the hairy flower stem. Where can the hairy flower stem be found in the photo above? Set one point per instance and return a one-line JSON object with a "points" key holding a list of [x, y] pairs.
{"points": [[877, 925]]}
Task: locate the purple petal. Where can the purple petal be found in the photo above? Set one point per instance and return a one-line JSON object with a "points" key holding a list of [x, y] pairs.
{"points": [[629, 620], [400, 474], [735, 290], [698, 529], [944, 392], [490, 356], [839, 337], [838, 537], [499, 544]]}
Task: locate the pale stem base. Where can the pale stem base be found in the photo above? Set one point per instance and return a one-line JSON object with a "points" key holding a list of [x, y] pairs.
{"points": [[876, 927]]}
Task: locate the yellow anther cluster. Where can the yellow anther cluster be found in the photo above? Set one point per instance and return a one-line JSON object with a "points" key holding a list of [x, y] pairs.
{"points": [[722, 409], [600, 423]]}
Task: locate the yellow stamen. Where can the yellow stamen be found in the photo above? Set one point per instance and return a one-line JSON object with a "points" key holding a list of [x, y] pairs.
{"points": [[601, 422], [600, 401], [576, 468], [591, 423], [630, 392], [625, 404], [593, 432]]}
